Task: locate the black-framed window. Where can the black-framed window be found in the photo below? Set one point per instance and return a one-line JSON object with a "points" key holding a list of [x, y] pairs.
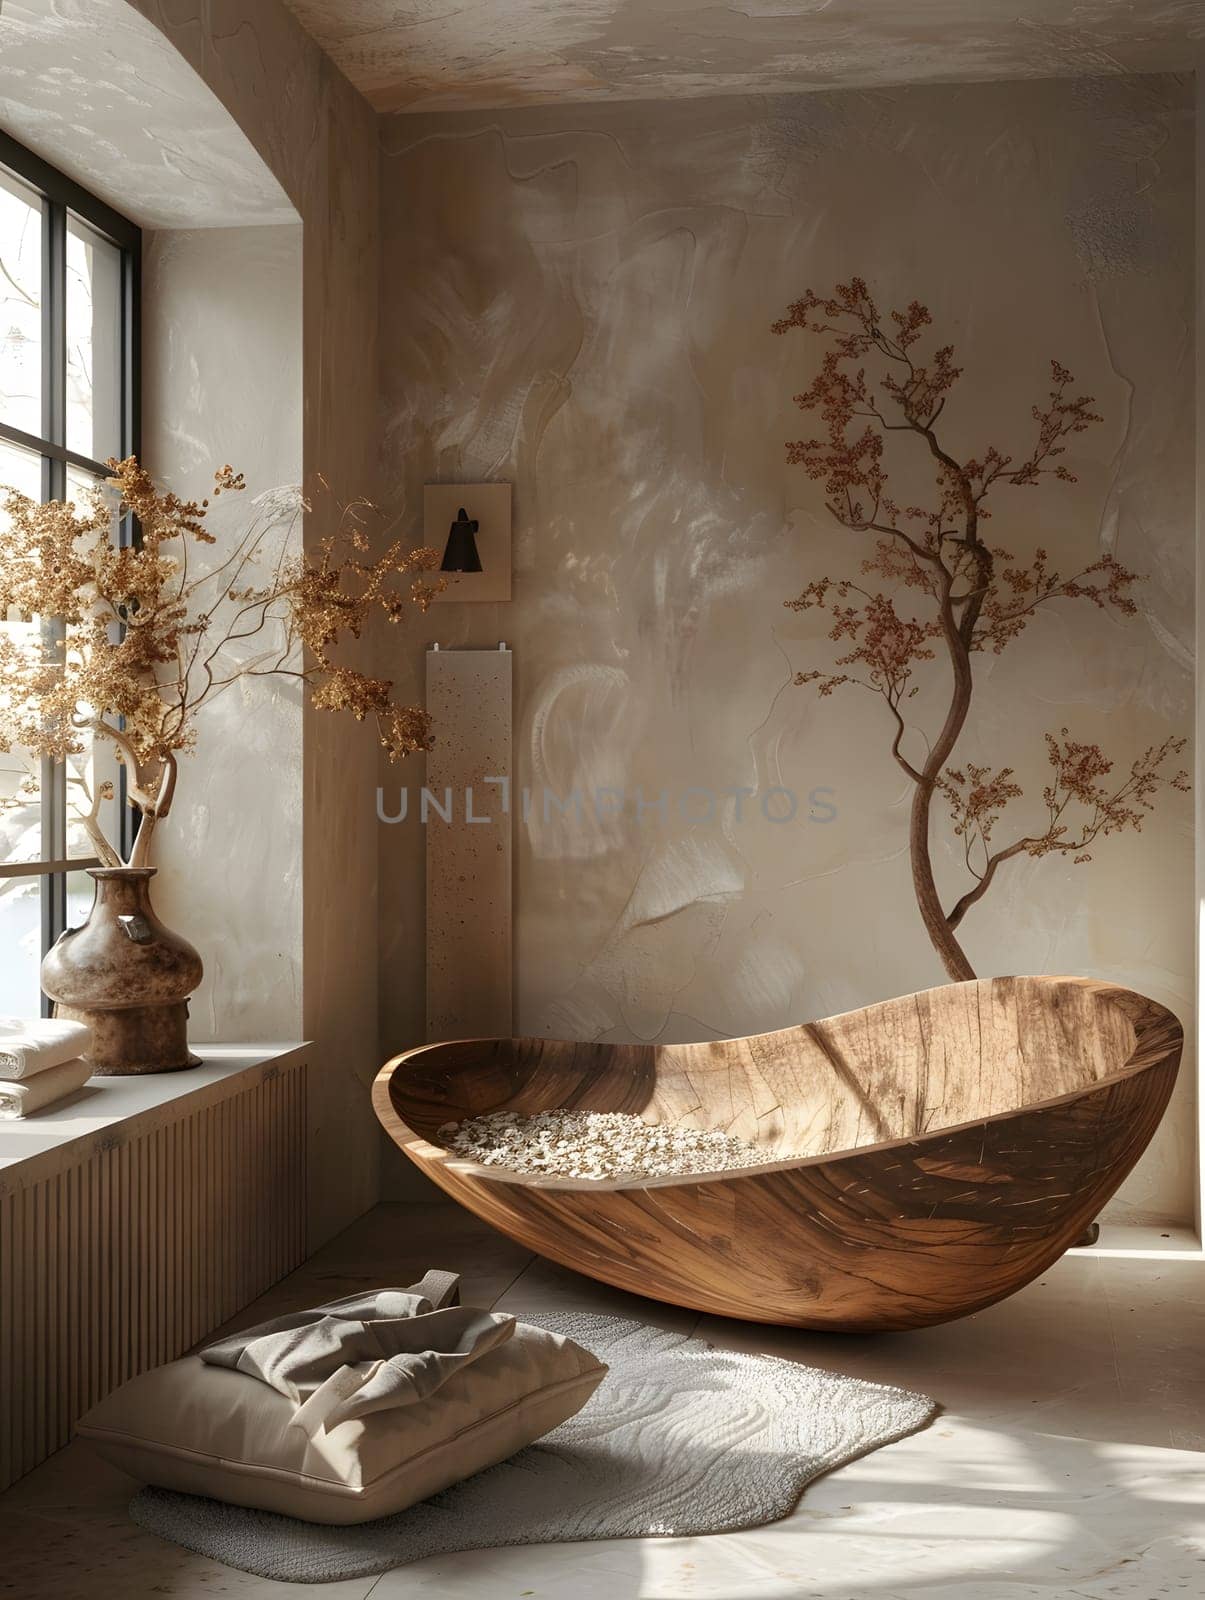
{"points": [[69, 399]]}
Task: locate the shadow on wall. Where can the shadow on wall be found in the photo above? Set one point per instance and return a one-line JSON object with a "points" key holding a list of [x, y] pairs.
{"points": [[241, 116], [592, 322], [222, 383]]}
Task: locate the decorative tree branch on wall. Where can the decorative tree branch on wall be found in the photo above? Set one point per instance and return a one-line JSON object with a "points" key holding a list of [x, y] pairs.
{"points": [[950, 593]]}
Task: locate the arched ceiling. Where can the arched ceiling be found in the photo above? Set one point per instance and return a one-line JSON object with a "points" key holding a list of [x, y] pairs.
{"points": [[96, 89], [418, 55]]}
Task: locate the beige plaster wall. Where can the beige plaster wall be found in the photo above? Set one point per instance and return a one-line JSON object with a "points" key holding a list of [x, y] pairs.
{"points": [[1199, 85], [222, 382], [578, 300], [319, 140], [96, 89]]}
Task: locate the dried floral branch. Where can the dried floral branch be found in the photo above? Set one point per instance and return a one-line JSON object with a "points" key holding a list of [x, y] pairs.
{"points": [[147, 645]]}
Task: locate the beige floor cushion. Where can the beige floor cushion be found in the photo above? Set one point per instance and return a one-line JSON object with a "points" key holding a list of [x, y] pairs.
{"points": [[215, 1431]]}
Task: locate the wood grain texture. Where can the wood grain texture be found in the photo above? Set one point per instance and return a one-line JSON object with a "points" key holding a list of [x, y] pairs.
{"points": [[925, 1157], [125, 1257]]}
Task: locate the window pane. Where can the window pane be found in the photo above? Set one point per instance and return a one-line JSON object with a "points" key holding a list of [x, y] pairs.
{"points": [[20, 946], [20, 305], [20, 469], [80, 483], [20, 810], [93, 343], [97, 763], [81, 891]]}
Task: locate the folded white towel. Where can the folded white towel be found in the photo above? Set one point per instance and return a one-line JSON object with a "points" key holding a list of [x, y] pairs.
{"points": [[28, 1046], [29, 1095]]}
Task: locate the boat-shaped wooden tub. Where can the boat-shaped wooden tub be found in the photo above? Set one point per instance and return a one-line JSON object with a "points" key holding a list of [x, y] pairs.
{"points": [[924, 1157]]}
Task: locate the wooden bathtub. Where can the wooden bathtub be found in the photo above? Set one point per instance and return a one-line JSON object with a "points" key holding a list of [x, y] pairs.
{"points": [[924, 1157]]}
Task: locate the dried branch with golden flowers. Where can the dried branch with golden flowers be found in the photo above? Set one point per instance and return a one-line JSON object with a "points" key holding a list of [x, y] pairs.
{"points": [[124, 644], [935, 588]]}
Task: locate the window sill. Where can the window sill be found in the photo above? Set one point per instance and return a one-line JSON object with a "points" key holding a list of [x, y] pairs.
{"points": [[108, 1112]]}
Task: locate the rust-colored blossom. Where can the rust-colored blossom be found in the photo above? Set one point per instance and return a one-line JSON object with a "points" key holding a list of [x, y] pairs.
{"points": [[949, 591]]}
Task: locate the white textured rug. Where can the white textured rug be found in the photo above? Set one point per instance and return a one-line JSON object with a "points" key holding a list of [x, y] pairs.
{"points": [[681, 1438]]}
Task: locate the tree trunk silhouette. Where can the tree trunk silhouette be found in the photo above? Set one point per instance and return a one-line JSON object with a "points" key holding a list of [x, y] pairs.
{"points": [[953, 957]]}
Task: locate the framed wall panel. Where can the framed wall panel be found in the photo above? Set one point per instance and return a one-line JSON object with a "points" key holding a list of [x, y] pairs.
{"points": [[467, 810]]}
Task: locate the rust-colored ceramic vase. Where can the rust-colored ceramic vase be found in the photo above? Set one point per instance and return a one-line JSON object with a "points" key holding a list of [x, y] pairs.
{"points": [[127, 976]]}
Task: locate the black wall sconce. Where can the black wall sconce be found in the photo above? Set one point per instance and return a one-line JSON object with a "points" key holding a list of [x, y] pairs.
{"points": [[460, 552], [476, 549]]}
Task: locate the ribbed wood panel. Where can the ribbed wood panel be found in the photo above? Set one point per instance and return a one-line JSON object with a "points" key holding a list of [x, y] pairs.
{"points": [[130, 1257]]}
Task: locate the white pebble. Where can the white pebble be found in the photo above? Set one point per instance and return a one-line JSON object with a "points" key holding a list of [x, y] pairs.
{"points": [[596, 1145]]}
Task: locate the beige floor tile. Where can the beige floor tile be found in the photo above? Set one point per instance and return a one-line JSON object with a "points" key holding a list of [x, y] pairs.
{"points": [[393, 1246], [1068, 1464], [544, 1286], [98, 1555], [74, 1478]]}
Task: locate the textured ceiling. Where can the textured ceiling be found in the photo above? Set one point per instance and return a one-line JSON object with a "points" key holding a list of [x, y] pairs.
{"points": [[420, 55]]}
